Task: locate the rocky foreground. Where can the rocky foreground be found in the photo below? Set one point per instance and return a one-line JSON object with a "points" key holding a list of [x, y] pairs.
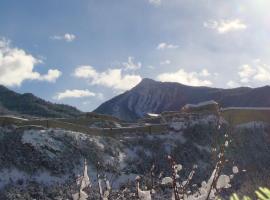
{"points": [[39, 163]]}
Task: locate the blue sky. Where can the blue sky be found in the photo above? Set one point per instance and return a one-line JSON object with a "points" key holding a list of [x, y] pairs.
{"points": [[83, 52]]}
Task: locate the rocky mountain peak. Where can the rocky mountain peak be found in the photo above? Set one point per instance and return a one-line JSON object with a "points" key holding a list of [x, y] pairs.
{"points": [[146, 82], [156, 97]]}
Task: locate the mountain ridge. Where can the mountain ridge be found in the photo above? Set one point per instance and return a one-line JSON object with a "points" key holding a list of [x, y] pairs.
{"points": [[155, 97], [28, 104]]}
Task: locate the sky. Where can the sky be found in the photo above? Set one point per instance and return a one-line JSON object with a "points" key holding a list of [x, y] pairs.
{"points": [[84, 52]]}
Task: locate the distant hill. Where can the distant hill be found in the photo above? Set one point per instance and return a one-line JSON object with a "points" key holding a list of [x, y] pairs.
{"points": [[151, 96], [28, 104]]}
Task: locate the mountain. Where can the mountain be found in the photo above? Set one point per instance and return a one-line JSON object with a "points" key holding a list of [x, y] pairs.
{"points": [[28, 104], [151, 96]]}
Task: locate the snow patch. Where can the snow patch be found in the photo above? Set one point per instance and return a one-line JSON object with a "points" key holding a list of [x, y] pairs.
{"points": [[153, 115], [14, 175], [205, 103], [41, 138], [253, 124]]}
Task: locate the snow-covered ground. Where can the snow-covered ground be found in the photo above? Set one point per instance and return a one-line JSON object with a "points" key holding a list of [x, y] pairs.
{"points": [[57, 148], [201, 104], [55, 157]]}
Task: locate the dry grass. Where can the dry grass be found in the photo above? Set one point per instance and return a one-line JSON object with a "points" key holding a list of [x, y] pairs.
{"points": [[240, 116]]}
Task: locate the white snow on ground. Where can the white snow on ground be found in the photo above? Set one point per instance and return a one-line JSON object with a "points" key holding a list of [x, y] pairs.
{"points": [[78, 136], [153, 115], [123, 179], [47, 179], [13, 117], [182, 124], [121, 159], [178, 126], [205, 103], [171, 135], [40, 139], [8, 175], [117, 125], [205, 148], [129, 153], [97, 142], [13, 175], [204, 120], [253, 124]]}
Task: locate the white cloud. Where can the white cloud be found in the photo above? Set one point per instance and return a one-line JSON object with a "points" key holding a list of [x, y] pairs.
{"points": [[17, 66], [252, 74], [263, 73], [187, 78], [52, 76], [100, 96], [165, 62], [155, 2], [68, 37], [225, 26], [74, 94], [246, 72], [232, 84], [131, 65], [165, 45], [150, 67], [204, 73], [86, 71], [112, 78]]}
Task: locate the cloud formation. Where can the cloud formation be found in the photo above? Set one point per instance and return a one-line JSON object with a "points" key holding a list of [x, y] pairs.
{"points": [[204, 73], [74, 94], [232, 84], [164, 45], [68, 37], [253, 74], [225, 26], [155, 2], [51, 76], [165, 62], [131, 65], [111, 78], [17, 66], [187, 78]]}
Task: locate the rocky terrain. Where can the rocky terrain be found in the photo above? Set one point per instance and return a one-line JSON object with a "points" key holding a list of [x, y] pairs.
{"points": [[151, 96], [41, 158], [46, 162]]}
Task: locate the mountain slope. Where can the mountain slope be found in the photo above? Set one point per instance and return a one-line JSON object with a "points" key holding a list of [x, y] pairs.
{"points": [[28, 104], [46, 162], [156, 97]]}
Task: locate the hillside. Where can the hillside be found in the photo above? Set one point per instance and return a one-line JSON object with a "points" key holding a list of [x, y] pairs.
{"points": [[46, 162], [28, 104], [151, 96], [238, 115]]}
